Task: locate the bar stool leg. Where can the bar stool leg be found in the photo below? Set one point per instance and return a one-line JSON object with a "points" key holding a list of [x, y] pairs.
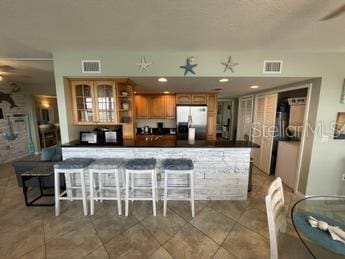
{"points": [[156, 186], [83, 191], [126, 193], [57, 192], [132, 184], [192, 192], [69, 184], [118, 192], [92, 189], [165, 193], [100, 186], [153, 182], [123, 177]]}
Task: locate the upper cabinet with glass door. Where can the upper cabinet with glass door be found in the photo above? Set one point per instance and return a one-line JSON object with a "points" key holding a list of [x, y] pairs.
{"points": [[94, 102], [105, 102], [83, 102]]}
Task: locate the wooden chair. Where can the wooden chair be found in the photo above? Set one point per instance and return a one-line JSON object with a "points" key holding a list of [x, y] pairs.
{"points": [[275, 214]]}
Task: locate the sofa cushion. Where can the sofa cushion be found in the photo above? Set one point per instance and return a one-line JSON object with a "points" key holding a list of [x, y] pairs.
{"points": [[48, 153]]}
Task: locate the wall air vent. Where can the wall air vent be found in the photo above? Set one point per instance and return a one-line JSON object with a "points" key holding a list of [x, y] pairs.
{"points": [[273, 66], [91, 66]]}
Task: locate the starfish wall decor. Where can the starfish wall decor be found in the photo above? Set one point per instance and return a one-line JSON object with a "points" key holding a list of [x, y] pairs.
{"points": [[229, 65], [144, 65], [189, 66]]}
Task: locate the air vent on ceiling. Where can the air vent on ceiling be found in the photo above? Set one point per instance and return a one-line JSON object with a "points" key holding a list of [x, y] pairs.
{"points": [[273, 66], [91, 66]]}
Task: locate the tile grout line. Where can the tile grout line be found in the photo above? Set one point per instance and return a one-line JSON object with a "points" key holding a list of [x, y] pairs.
{"points": [[187, 222], [44, 238], [221, 245], [162, 245], [102, 244]]}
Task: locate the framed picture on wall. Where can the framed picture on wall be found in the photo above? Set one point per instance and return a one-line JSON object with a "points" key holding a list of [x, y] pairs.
{"points": [[339, 132], [1, 114]]}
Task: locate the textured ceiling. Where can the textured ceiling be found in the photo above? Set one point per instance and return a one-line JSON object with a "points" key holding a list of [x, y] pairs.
{"points": [[36, 28], [28, 73], [236, 86]]}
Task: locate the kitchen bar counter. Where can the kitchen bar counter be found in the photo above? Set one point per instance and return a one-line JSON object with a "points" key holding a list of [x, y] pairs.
{"points": [[163, 143], [221, 168]]}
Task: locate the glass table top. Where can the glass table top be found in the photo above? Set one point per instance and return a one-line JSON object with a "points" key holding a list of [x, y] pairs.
{"points": [[330, 209]]}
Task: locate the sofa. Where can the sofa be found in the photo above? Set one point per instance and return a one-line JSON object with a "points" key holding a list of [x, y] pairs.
{"points": [[49, 157]]}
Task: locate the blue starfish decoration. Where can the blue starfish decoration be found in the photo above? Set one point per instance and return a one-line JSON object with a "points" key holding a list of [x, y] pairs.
{"points": [[189, 67]]}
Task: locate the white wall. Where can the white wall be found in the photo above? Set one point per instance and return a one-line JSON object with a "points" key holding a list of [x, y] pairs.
{"points": [[328, 158]]}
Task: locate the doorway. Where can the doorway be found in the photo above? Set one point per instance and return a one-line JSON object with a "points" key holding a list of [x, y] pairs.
{"points": [[47, 120]]}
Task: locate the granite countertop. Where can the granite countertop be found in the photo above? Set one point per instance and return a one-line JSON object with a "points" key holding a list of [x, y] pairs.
{"points": [[171, 144]]}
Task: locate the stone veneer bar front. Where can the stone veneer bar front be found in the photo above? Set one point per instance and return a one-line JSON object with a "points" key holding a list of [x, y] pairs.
{"points": [[221, 169]]}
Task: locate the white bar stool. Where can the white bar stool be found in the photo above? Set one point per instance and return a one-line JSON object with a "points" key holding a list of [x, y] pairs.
{"points": [[68, 167], [178, 167], [141, 167], [98, 169]]}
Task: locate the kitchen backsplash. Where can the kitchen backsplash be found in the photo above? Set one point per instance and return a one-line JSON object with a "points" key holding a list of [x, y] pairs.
{"points": [[152, 123]]}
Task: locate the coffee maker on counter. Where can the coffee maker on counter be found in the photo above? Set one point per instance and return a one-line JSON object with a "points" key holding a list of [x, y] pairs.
{"points": [[104, 136]]}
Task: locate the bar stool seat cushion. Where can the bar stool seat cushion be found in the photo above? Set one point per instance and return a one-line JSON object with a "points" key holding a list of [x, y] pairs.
{"points": [[106, 163], [74, 163], [178, 164], [141, 164]]}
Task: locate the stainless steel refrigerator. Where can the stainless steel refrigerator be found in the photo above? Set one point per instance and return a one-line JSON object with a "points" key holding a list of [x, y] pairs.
{"points": [[194, 116]]}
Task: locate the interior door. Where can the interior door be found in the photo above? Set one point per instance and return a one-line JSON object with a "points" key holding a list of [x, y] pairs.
{"points": [[245, 117], [268, 132], [257, 129]]}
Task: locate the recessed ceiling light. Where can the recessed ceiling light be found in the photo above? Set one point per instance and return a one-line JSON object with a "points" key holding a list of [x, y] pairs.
{"points": [[223, 80], [162, 79], [166, 92], [254, 86]]}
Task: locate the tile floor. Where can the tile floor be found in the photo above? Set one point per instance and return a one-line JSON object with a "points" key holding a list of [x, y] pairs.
{"points": [[221, 229]]}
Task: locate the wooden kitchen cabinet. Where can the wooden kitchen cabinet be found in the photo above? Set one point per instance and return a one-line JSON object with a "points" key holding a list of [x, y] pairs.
{"points": [[170, 106], [105, 96], [191, 98], [103, 102], [125, 107], [94, 102], [83, 102], [212, 102], [142, 106], [100, 102], [156, 106], [211, 126], [199, 99], [183, 98]]}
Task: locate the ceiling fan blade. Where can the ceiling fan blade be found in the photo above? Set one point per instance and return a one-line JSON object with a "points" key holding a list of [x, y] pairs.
{"points": [[6, 68], [12, 75], [335, 13]]}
